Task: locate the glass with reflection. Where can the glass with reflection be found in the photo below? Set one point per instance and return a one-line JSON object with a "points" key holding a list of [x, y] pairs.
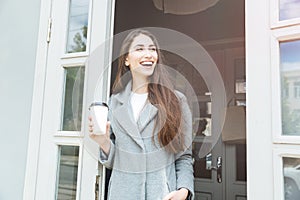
{"points": [[289, 9], [77, 26], [290, 87], [73, 99], [68, 172], [291, 173]]}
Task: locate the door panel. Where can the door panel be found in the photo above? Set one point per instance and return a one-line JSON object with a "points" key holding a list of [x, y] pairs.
{"points": [[203, 196], [68, 164], [206, 182]]}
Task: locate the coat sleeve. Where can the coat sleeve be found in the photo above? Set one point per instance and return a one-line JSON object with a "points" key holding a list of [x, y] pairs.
{"points": [[104, 159], [183, 159]]}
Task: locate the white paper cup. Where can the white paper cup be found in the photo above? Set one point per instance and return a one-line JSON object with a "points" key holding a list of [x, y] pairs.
{"points": [[99, 112]]}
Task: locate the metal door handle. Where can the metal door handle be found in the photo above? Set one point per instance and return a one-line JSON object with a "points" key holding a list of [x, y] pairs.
{"points": [[218, 167]]}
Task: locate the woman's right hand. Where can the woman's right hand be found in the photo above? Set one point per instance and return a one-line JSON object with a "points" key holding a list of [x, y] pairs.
{"points": [[102, 140]]}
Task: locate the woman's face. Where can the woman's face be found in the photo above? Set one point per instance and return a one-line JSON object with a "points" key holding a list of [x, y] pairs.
{"points": [[142, 56]]}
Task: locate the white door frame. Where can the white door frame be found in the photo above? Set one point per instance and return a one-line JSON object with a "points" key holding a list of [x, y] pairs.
{"points": [[37, 103], [259, 112], [99, 32]]}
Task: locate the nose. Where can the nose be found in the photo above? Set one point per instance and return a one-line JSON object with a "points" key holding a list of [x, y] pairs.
{"points": [[148, 53]]}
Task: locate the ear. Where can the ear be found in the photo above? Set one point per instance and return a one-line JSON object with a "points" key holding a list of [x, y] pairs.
{"points": [[126, 62]]}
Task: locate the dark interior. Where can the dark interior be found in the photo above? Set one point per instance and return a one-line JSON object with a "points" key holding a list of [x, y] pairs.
{"points": [[223, 21]]}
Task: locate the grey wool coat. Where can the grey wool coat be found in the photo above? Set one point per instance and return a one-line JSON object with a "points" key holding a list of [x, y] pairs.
{"points": [[141, 168]]}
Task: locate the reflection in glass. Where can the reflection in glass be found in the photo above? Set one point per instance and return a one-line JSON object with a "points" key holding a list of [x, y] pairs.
{"points": [[78, 26], [241, 162], [290, 87], [289, 9], [240, 75], [201, 164], [291, 172], [204, 126], [67, 174], [73, 98]]}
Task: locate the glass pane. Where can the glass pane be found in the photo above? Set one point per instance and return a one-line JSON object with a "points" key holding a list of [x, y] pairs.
{"points": [[78, 26], [289, 9], [204, 126], [201, 164], [291, 172], [290, 87], [72, 109], [241, 164], [240, 75], [67, 174]]}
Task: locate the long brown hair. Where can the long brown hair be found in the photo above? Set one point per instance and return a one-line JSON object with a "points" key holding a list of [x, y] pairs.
{"points": [[160, 92]]}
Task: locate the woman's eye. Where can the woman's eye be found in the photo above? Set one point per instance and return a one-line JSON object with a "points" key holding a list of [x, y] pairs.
{"points": [[139, 49], [153, 49]]}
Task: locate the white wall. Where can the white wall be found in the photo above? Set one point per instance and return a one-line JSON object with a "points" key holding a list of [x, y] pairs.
{"points": [[18, 41]]}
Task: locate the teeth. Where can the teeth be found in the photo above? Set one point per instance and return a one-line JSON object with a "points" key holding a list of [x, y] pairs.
{"points": [[147, 63]]}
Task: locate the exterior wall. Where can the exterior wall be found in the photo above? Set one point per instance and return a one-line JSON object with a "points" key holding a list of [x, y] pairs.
{"points": [[18, 42]]}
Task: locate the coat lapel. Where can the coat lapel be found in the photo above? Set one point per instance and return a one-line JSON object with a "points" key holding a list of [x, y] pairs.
{"points": [[123, 114], [146, 116]]}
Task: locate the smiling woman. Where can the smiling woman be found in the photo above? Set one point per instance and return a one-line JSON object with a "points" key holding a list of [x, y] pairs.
{"points": [[141, 60], [151, 123]]}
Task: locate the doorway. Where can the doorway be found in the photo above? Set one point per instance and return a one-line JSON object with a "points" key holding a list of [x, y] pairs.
{"points": [[221, 173]]}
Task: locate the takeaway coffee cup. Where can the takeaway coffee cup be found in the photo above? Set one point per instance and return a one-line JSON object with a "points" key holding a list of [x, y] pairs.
{"points": [[99, 112]]}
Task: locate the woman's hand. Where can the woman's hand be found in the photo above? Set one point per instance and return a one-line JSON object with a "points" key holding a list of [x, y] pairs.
{"points": [[102, 140], [180, 194]]}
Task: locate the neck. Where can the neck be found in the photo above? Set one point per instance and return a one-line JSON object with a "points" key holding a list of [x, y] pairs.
{"points": [[139, 85]]}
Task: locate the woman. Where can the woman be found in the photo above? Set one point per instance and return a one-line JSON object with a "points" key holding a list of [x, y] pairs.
{"points": [[151, 151]]}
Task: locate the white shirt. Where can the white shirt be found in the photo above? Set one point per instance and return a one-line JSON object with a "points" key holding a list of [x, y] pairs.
{"points": [[138, 102]]}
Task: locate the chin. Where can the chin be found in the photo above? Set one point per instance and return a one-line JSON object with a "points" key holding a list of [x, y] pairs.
{"points": [[149, 73]]}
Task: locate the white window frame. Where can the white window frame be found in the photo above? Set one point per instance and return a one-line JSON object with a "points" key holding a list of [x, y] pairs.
{"points": [[279, 152], [282, 145], [280, 35], [274, 16], [72, 142]]}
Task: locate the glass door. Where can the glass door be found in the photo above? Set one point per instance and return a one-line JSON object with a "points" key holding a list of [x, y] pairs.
{"points": [[68, 160]]}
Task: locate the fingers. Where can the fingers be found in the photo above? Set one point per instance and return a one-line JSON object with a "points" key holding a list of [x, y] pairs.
{"points": [[107, 127], [168, 197], [91, 124]]}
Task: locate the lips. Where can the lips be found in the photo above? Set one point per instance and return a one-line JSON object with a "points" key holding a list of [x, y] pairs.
{"points": [[147, 63]]}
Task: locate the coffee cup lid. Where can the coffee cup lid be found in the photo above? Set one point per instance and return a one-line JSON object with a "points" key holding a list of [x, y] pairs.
{"points": [[98, 104]]}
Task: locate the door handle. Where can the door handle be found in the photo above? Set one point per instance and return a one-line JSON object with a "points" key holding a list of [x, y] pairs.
{"points": [[218, 167]]}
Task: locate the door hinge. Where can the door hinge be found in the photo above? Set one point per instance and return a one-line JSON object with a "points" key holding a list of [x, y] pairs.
{"points": [[49, 29], [97, 187]]}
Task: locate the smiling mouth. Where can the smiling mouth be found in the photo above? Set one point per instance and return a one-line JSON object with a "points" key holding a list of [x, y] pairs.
{"points": [[147, 63]]}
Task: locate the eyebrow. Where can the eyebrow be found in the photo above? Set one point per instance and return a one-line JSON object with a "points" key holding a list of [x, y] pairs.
{"points": [[141, 45]]}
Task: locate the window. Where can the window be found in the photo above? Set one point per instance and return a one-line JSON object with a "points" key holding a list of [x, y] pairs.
{"points": [[297, 89]]}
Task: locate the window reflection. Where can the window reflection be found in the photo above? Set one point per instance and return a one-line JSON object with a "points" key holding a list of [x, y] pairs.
{"points": [[297, 89], [290, 87], [289, 9], [78, 26], [291, 172], [68, 172], [73, 99]]}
